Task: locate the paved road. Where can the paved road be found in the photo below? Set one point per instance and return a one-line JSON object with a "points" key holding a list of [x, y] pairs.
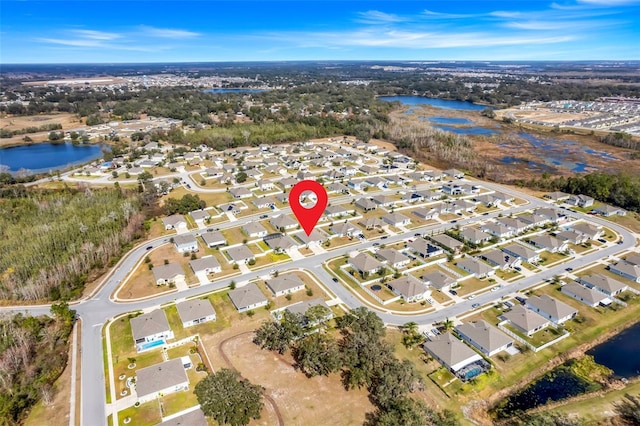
{"points": [[99, 307]]}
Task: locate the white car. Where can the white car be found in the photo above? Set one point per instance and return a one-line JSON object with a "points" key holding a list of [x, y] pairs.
{"points": [[471, 297]]}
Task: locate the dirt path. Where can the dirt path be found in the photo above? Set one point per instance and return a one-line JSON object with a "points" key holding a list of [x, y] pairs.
{"points": [[227, 361]]}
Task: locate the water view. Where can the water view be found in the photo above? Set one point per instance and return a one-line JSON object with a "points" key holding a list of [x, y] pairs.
{"points": [[235, 90], [448, 120], [620, 353], [435, 102], [45, 157], [478, 131]]}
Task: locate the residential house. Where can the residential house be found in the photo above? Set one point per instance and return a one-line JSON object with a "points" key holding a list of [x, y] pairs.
{"points": [[285, 284], [409, 288], [426, 214], [195, 311], [150, 327], [161, 379], [552, 215], [487, 339], [550, 308], [607, 211], [254, 229], [438, 280], [264, 185], [515, 224], [393, 258], [240, 254], [358, 185], [423, 248], [287, 183], [396, 219], [532, 219], [369, 170], [627, 270], [213, 239], [200, 217], [207, 264], [475, 236], [475, 267], [344, 229], [557, 196], [451, 352], [549, 243], [303, 307], [588, 296], [247, 297], [185, 243], [453, 174], [239, 192], [525, 320], [371, 223], [580, 200], [572, 237], [264, 202], [384, 200], [452, 189], [497, 229], [337, 187], [315, 238], [590, 231], [500, 259], [376, 181], [522, 252], [192, 418], [279, 242], [603, 284], [447, 242], [283, 222], [168, 274], [335, 211], [177, 222], [365, 204], [365, 264]]}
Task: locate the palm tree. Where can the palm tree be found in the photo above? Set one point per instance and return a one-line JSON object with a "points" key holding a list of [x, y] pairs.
{"points": [[410, 328], [447, 324]]}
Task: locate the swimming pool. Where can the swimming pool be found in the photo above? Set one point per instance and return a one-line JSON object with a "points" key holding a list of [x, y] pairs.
{"points": [[150, 345], [473, 372]]}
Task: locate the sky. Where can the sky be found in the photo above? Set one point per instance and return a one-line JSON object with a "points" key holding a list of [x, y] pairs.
{"points": [[92, 31]]}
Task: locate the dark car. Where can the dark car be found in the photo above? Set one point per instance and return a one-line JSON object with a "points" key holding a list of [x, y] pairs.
{"points": [[621, 241], [455, 293], [602, 240], [485, 214], [335, 280], [376, 244], [475, 305], [384, 238], [454, 221], [149, 247], [264, 216], [520, 299], [568, 269], [417, 234]]}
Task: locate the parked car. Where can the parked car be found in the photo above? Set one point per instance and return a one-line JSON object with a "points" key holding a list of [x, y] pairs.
{"points": [[455, 293], [485, 214], [475, 305], [334, 279], [602, 240], [621, 241], [471, 297], [521, 299]]}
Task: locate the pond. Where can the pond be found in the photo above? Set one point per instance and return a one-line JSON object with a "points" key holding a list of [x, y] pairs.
{"points": [[234, 90], [620, 353], [435, 102], [559, 383], [45, 157]]}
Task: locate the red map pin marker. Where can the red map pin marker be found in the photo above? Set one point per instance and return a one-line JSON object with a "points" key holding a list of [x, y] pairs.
{"points": [[308, 217]]}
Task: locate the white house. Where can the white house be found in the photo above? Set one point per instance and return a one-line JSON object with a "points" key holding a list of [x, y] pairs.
{"points": [[195, 311], [550, 308], [185, 243], [149, 328], [285, 284], [161, 379], [489, 340]]}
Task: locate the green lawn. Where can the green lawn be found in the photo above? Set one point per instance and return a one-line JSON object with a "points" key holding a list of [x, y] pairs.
{"points": [[146, 414], [175, 402], [471, 285]]}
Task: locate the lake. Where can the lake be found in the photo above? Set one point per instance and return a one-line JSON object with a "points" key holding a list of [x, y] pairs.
{"points": [[478, 131], [435, 102], [448, 120], [560, 383], [44, 157], [238, 90], [620, 353]]}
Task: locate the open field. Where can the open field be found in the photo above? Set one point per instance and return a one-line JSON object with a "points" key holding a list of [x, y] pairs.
{"points": [[67, 120], [328, 403]]}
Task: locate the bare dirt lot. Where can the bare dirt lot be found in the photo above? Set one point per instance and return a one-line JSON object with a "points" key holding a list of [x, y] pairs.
{"points": [[327, 403]]}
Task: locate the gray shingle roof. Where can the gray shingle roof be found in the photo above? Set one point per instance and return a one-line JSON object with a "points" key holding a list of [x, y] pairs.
{"points": [[160, 376], [487, 337], [190, 310], [247, 295], [149, 324]]}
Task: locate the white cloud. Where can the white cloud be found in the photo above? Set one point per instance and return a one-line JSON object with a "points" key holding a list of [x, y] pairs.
{"points": [[167, 32], [96, 35], [610, 2], [72, 42], [378, 17]]}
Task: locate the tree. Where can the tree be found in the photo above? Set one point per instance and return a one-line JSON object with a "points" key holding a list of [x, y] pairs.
{"points": [[228, 398], [278, 336], [409, 412], [629, 409], [394, 380], [317, 355], [241, 177]]}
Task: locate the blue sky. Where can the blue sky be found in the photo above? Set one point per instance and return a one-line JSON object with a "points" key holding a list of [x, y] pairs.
{"points": [[179, 31]]}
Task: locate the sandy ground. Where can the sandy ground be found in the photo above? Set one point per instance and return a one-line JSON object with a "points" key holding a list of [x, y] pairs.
{"points": [[542, 114]]}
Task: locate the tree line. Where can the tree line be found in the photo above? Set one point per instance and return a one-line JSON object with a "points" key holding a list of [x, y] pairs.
{"points": [[33, 354], [51, 241]]}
